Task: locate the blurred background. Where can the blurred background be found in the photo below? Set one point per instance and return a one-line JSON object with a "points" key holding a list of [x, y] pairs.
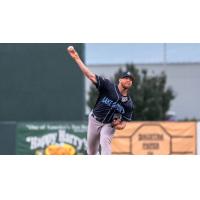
{"points": [[45, 100]]}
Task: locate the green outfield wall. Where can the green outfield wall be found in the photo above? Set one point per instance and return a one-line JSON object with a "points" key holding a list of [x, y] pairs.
{"points": [[40, 82]]}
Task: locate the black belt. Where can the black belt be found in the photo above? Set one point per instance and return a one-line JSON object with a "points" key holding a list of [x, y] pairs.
{"points": [[97, 118]]}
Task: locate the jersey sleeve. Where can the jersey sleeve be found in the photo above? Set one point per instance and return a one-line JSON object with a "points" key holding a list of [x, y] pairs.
{"points": [[102, 83]]}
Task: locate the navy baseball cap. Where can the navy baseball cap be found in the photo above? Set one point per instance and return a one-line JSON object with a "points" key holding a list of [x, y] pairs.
{"points": [[127, 74]]}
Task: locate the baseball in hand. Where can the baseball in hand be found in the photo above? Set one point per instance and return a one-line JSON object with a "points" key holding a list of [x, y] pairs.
{"points": [[70, 48], [72, 52]]}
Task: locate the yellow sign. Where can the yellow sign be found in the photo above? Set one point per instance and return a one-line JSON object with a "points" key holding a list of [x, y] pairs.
{"points": [[162, 138], [65, 149]]}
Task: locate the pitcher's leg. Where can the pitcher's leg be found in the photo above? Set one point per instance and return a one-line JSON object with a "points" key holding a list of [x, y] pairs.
{"points": [[93, 136], [106, 136]]}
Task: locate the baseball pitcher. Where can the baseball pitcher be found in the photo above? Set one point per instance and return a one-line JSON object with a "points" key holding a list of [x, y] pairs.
{"points": [[111, 111]]}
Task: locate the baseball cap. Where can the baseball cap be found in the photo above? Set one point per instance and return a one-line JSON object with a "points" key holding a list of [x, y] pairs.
{"points": [[127, 74]]}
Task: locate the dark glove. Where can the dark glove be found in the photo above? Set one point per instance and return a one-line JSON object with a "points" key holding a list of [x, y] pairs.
{"points": [[117, 116], [116, 119]]}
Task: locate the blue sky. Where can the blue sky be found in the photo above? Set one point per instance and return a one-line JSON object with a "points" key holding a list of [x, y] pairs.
{"points": [[119, 53]]}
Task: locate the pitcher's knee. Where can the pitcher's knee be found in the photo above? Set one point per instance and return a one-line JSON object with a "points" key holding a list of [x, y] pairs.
{"points": [[106, 147], [92, 150]]}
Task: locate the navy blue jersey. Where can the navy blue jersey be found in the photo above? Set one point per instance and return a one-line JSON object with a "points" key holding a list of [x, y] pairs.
{"points": [[111, 101]]}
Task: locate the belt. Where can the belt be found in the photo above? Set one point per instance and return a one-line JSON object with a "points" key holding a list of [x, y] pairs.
{"points": [[97, 118]]}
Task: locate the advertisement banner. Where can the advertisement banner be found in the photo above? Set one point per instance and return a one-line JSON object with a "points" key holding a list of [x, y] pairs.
{"points": [[51, 138], [162, 138]]}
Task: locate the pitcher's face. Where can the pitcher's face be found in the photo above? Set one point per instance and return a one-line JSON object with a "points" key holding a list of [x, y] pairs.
{"points": [[126, 82]]}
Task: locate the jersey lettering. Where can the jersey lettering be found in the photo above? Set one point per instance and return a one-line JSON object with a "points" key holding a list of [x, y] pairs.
{"points": [[110, 101], [113, 105]]}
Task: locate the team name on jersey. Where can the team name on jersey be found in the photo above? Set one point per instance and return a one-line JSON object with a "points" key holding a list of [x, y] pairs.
{"points": [[113, 105]]}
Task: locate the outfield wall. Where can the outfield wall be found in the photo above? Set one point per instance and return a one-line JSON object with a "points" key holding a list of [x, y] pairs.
{"points": [[164, 138], [7, 138], [40, 82], [69, 138]]}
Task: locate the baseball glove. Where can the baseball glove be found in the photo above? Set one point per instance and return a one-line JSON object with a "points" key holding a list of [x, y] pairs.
{"points": [[117, 118]]}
